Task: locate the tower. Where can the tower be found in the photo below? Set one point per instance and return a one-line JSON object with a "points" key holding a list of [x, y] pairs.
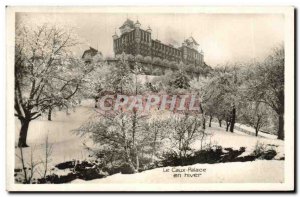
{"points": [[201, 57], [115, 36], [149, 30], [137, 36], [137, 24], [149, 41]]}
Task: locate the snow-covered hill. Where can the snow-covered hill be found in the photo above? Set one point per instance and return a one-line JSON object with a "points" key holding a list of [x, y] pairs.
{"points": [[237, 172], [68, 146]]}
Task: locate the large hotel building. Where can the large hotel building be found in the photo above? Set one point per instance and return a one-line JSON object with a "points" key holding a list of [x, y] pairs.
{"points": [[134, 40]]}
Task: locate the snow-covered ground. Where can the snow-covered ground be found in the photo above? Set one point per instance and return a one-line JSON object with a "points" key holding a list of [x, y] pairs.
{"points": [[68, 146], [261, 171], [252, 131], [240, 139]]}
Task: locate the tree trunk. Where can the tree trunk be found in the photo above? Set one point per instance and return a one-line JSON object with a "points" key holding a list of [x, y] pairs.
{"points": [[134, 121], [257, 126], [23, 165], [137, 160], [227, 123], [203, 116], [210, 119], [50, 114], [256, 131], [227, 126], [154, 146], [280, 134], [232, 122], [96, 101], [203, 126], [180, 153], [23, 133], [220, 123], [127, 155]]}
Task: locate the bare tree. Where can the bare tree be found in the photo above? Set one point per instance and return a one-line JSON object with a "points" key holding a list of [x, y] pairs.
{"points": [[255, 115], [186, 130], [46, 73], [219, 93], [47, 159], [265, 84], [29, 168]]}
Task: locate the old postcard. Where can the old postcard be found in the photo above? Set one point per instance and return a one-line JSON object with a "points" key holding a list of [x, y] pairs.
{"points": [[150, 99]]}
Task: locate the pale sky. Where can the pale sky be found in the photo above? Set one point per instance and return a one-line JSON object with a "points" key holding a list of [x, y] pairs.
{"points": [[224, 38]]}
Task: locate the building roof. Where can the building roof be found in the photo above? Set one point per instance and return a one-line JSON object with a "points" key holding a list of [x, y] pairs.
{"points": [[137, 22], [128, 22], [149, 28]]}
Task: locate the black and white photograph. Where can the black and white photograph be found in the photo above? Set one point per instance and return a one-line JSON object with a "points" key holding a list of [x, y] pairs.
{"points": [[150, 99]]}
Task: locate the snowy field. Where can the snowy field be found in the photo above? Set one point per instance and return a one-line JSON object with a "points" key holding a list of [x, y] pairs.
{"points": [[261, 171], [68, 146]]}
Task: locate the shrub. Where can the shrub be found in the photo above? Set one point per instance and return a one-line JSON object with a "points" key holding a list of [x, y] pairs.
{"points": [[198, 70], [170, 158], [179, 80], [269, 154], [190, 68], [127, 168], [166, 63], [119, 57], [111, 170], [144, 161], [139, 58], [90, 174], [157, 61], [261, 151], [66, 165], [146, 68], [130, 57], [210, 155], [173, 65], [157, 71], [54, 178], [82, 166], [231, 154], [148, 59]]}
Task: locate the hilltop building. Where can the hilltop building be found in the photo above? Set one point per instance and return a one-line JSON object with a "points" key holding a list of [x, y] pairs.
{"points": [[136, 41]]}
